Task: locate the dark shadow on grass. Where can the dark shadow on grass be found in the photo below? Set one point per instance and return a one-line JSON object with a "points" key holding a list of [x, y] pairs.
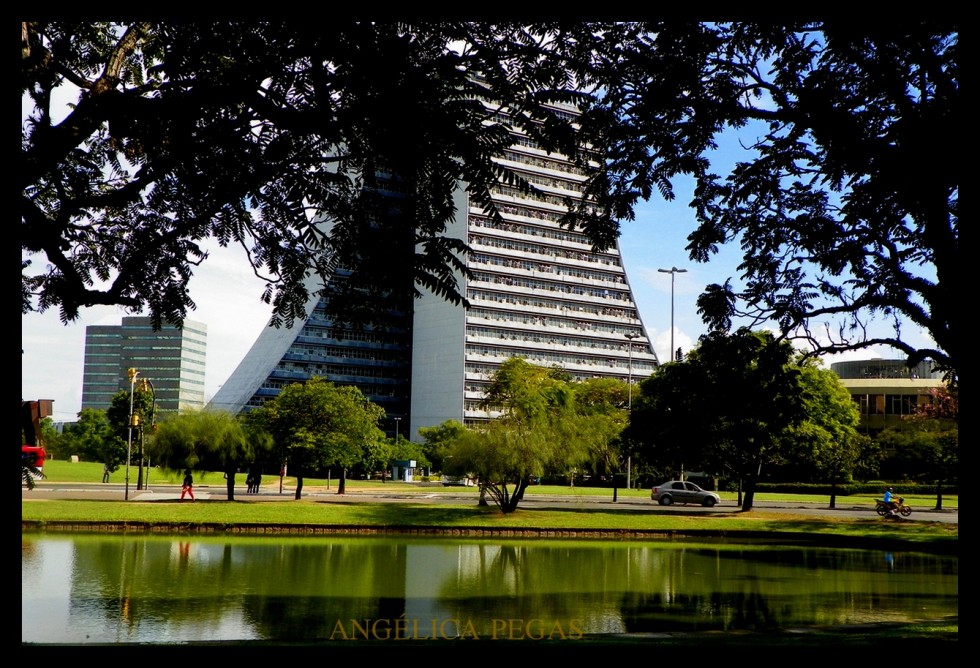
{"points": [[412, 515], [421, 514]]}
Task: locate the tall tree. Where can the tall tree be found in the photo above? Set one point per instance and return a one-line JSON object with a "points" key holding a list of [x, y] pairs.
{"points": [[736, 395], [827, 438], [51, 438], [538, 430], [129, 411], [95, 439], [665, 428], [844, 196], [438, 441], [602, 403], [317, 425], [926, 445], [206, 441]]}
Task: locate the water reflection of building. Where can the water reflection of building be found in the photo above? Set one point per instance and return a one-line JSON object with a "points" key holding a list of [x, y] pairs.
{"points": [[886, 389]]}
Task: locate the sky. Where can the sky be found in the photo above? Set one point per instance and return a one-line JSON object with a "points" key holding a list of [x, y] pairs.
{"points": [[227, 295]]}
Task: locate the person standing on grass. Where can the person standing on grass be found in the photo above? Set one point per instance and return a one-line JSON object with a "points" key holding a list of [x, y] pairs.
{"points": [[188, 485]]}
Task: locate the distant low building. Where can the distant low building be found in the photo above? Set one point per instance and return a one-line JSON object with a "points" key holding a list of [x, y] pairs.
{"points": [[171, 359], [886, 389]]}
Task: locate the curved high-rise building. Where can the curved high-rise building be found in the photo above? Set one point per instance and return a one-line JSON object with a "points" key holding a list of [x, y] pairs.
{"points": [[536, 291]]}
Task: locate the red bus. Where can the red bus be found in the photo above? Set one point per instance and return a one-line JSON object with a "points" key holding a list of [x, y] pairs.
{"points": [[33, 455]]}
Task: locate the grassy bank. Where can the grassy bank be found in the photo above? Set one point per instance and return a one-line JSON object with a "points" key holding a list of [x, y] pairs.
{"points": [[214, 515], [331, 510], [58, 471], [449, 516]]}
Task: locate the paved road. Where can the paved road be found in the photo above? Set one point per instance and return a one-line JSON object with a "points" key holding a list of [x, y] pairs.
{"points": [[604, 500]]}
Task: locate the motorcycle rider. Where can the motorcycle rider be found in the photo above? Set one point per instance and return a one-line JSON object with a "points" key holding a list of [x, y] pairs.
{"points": [[892, 505]]}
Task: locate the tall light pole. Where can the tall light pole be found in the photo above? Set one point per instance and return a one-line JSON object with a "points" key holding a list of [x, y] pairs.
{"points": [[672, 271], [146, 386], [132, 373], [397, 420], [629, 383]]}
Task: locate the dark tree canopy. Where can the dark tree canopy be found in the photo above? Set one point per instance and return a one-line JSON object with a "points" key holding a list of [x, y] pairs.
{"points": [[845, 203], [252, 133], [438, 441], [728, 407], [845, 197]]}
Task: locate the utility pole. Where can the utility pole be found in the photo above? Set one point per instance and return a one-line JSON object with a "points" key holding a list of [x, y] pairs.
{"points": [[672, 271], [629, 383], [132, 373]]}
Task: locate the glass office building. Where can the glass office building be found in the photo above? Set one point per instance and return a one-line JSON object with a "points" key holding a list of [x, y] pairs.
{"points": [[171, 359]]}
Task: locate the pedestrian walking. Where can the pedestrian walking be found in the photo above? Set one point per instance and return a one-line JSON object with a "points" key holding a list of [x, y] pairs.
{"points": [[188, 486]]}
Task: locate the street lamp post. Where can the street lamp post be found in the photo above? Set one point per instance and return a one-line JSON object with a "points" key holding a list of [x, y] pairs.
{"points": [[672, 271], [132, 373], [146, 386], [384, 474], [629, 383]]}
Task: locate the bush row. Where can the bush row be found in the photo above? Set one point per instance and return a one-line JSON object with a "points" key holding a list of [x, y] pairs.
{"points": [[873, 488]]}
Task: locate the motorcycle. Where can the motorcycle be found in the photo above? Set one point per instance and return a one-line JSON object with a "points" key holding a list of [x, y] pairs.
{"points": [[884, 509]]}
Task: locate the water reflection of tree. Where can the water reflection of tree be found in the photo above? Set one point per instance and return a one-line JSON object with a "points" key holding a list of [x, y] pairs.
{"points": [[327, 584], [783, 587], [280, 587], [556, 585], [661, 590]]}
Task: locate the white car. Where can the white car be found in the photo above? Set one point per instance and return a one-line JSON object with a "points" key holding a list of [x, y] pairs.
{"points": [[681, 491]]}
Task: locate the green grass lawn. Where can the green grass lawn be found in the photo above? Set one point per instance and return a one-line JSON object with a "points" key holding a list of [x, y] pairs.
{"points": [[91, 472], [349, 511], [450, 516]]}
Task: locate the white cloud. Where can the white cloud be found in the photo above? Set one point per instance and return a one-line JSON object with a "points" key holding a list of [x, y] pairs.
{"points": [[661, 343]]}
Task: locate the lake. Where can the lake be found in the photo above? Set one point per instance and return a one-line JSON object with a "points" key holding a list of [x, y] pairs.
{"points": [[136, 588]]}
